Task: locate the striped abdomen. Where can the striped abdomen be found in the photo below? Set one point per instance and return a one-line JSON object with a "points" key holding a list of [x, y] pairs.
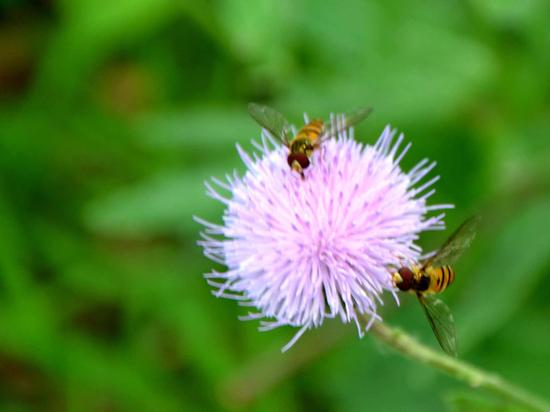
{"points": [[311, 131], [440, 278]]}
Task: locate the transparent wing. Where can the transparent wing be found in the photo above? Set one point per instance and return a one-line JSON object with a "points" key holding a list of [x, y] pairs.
{"points": [[456, 244], [441, 321], [271, 120], [357, 116], [350, 119]]}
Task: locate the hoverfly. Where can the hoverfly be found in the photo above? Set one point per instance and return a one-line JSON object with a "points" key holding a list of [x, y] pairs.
{"points": [[308, 138], [433, 276]]}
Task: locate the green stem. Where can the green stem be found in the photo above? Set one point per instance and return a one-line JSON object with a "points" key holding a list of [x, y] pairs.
{"points": [[475, 377]]}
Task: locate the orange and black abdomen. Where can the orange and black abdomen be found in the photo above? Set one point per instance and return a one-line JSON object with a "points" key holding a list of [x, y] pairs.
{"points": [[441, 277], [311, 131]]}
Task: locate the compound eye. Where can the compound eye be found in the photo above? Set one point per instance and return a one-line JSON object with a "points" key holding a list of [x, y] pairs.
{"points": [[407, 278], [301, 158]]}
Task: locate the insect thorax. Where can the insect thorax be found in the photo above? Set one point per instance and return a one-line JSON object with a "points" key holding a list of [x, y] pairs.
{"points": [[422, 282], [301, 145]]}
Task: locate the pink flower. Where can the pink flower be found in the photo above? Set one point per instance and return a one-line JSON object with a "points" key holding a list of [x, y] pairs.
{"points": [[302, 250]]}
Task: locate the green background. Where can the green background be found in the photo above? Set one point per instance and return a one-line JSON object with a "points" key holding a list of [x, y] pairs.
{"points": [[112, 113]]}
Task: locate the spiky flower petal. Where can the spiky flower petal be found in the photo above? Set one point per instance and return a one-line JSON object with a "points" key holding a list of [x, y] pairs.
{"points": [[302, 250]]}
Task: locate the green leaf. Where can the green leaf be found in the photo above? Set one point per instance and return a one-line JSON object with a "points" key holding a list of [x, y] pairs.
{"points": [[161, 204], [207, 129], [475, 402], [510, 270], [89, 33], [14, 273]]}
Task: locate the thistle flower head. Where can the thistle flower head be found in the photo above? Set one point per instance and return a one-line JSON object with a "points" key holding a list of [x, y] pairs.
{"points": [[302, 250]]}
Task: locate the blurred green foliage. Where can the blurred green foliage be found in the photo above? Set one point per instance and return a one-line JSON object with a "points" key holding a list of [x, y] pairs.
{"points": [[112, 113]]}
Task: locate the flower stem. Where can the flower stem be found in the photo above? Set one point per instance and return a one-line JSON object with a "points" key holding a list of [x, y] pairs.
{"points": [[475, 377]]}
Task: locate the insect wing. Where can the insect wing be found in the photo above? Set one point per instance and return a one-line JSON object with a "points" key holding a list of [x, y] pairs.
{"points": [[271, 120], [456, 244], [357, 116], [441, 321], [350, 119]]}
